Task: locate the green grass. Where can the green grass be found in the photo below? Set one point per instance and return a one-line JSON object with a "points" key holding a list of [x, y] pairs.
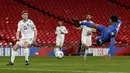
{"points": [[69, 64]]}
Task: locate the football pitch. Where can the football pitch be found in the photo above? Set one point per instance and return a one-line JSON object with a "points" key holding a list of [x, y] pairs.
{"points": [[69, 64]]}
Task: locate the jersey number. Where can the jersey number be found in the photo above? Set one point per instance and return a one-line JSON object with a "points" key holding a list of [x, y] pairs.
{"points": [[25, 27]]}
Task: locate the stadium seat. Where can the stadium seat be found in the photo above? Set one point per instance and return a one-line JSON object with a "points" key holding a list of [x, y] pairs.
{"points": [[67, 9]]}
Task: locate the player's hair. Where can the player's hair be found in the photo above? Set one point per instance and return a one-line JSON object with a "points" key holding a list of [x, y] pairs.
{"points": [[114, 18], [24, 11]]}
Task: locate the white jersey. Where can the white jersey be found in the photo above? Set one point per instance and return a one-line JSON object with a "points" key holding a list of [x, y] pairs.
{"points": [[27, 28], [85, 38], [61, 31], [85, 29]]}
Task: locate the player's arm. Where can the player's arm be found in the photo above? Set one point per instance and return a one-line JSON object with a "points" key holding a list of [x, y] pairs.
{"points": [[65, 30], [56, 32], [18, 32], [17, 35], [78, 28], [35, 31], [119, 22], [35, 34]]}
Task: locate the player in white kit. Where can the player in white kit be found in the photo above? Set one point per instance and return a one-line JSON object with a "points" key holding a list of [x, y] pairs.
{"points": [[28, 36], [86, 36], [60, 35]]}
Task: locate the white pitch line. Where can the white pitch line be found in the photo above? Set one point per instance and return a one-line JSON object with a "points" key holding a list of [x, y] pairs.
{"points": [[66, 64], [74, 71]]}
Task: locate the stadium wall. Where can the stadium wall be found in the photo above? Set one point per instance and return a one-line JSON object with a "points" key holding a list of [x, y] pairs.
{"points": [[36, 51]]}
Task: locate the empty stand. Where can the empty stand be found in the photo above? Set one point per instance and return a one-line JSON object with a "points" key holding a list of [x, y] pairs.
{"points": [[100, 9]]}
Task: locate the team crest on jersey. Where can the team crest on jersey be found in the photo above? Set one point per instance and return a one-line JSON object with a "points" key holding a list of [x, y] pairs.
{"points": [[27, 24]]}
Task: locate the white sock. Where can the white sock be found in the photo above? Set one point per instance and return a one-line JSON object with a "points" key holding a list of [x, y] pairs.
{"points": [[86, 52], [13, 56], [26, 53], [56, 49]]}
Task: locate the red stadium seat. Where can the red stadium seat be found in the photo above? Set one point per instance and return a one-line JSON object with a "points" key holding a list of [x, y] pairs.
{"points": [[101, 10]]}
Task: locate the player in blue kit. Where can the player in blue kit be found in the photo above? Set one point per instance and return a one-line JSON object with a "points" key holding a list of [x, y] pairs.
{"points": [[108, 34]]}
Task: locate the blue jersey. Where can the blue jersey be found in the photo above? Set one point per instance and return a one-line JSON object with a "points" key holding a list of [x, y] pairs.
{"points": [[111, 31]]}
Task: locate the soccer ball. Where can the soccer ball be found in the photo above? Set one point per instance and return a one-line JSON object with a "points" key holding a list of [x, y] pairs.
{"points": [[59, 54], [36, 53]]}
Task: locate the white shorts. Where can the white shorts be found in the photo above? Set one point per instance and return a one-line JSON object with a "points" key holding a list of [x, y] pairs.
{"points": [[59, 41], [23, 40], [87, 40]]}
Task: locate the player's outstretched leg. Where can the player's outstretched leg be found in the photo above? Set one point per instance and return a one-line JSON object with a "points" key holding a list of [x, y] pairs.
{"points": [[14, 52], [107, 56], [26, 52]]}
